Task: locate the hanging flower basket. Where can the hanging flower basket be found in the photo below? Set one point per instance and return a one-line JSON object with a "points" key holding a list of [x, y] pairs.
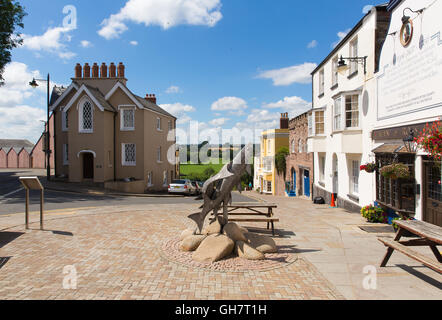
{"points": [[369, 167], [396, 171], [430, 140]]}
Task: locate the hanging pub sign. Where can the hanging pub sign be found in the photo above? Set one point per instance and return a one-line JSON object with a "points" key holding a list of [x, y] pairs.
{"points": [[406, 33]]}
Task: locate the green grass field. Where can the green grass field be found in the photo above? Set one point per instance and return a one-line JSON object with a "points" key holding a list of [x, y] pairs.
{"points": [[187, 169]]}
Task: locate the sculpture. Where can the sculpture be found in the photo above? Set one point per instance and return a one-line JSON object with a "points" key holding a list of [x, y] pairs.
{"points": [[217, 191]]}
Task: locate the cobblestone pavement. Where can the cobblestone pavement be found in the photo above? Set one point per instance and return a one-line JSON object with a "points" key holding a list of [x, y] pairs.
{"points": [[116, 255], [116, 252]]}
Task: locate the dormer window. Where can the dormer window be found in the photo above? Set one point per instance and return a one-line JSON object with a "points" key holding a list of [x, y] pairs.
{"points": [[86, 117]]}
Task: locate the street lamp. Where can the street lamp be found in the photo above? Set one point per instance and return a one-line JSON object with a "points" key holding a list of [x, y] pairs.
{"points": [[48, 151], [343, 67], [405, 18], [409, 142]]}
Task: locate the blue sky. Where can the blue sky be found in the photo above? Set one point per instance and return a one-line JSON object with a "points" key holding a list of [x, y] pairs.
{"points": [[224, 63]]}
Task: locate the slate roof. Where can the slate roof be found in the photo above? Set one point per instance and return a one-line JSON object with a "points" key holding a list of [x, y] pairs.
{"points": [[19, 144], [152, 106], [100, 98], [56, 93]]}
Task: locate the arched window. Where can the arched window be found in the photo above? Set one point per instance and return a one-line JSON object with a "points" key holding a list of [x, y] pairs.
{"points": [[300, 146], [293, 146], [86, 116]]}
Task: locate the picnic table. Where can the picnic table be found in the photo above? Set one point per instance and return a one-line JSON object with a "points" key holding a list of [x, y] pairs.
{"points": [[249, 212], [426, 235]]}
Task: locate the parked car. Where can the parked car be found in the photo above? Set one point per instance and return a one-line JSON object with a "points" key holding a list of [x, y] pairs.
{"points": [[182, 187], [198, 186]]}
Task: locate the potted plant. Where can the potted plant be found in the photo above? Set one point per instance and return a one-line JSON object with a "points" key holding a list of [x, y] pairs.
{"points": [[430, 140], [369, 167], [396, 171], [374, 214]]}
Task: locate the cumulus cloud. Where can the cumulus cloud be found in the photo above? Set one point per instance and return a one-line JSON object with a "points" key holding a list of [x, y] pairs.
{"points": [[18, 120], [290, 75], [53, 41], [134, 43], [180, 111], [86, 44], [163, 13], [219, 122], [341, 36], [232, 105], [293, 105], [312, 44]]}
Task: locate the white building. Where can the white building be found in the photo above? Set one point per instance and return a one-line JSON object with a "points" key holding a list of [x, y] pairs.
{"points": [[343, 113], [409, 95]]}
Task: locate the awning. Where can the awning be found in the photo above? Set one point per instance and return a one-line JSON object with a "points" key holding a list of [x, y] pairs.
{"points": [[391, 148]]}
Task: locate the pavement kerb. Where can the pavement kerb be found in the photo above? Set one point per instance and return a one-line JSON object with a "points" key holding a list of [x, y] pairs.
{"points": [[104, 193]]}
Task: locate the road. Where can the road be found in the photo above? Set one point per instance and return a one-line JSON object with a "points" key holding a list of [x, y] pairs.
{"points": [[54, 200]]}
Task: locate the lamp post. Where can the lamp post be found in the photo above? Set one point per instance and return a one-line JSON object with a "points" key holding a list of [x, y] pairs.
{"points": [[342, 66], [48, 151]]}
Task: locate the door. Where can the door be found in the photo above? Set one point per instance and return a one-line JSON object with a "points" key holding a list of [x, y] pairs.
{"points": [[307, 183], [88, 166], [432, 196]]}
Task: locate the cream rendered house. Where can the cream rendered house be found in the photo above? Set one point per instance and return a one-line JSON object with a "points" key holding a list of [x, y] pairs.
{"points": [[107, 135]]}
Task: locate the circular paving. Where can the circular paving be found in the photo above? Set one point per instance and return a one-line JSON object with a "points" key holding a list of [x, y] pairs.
{"points": [[171, 252]]}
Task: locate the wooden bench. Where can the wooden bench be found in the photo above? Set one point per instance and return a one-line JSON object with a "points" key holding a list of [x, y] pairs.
{"points": [[245, 212], [427, 235]]}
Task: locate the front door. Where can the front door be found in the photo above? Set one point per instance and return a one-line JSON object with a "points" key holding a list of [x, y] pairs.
{"points": [[432, 194], [88, 166], [307, 183]]}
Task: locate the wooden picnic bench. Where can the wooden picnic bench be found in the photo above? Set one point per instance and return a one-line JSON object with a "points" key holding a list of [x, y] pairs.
{"points": [[426, 235], [250, 210]]}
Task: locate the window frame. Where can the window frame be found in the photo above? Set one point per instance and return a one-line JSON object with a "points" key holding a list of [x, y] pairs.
{"points": [[122, 109], [82, 103], [159, 155], [321, 82], [337, 118], [124, 162], [159, 124], [335, 73], [64, 121], [352, 111], [65, 154], [322, 163], [318, 132], [354, 51], [354, 177]]}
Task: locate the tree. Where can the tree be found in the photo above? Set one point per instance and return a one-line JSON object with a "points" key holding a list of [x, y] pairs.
{"points": [[280, 159], [11, 17]]}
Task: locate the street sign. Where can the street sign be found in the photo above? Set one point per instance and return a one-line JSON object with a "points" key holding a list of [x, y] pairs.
{"points": [[32, 183]]}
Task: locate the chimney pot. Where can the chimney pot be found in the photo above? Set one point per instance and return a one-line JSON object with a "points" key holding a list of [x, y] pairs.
{"points": [[86, 71], [284, 122], [112, 70], [121, 70], [103, 70], [151, 98], [95, 70], [78, 71]]}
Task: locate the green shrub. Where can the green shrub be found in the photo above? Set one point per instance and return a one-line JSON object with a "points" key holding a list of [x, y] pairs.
{"points": [[374, 214]]}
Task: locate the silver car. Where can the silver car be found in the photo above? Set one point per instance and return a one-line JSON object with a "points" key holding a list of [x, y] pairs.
{"points": [[182, 187]]}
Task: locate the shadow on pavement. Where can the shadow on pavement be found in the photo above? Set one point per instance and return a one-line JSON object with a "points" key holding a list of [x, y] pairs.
{"points": [[8, 237], [293, 249], [420, 275], [280, 233]]}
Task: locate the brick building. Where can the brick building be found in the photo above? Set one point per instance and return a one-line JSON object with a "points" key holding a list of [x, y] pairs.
{"points": [[299, 175]]}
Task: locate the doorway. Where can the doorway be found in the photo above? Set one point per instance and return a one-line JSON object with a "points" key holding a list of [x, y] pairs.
{"points": [[306, 183], [432, 195], [88, 166]]}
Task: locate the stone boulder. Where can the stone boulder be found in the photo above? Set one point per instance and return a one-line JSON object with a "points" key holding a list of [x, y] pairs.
{"points": [[261, 243], [213, 228], [245, 251], [214, 248], [186, 233], [192, 243], [233, 231]]}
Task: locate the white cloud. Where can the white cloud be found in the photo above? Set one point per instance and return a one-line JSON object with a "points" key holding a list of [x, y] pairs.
{"points": [[293, 105], [173, 89], [341, 35], [233, 105], [134, 43], [312, 44], [53, 41], [163, 13], [180, 111], [86, 44], [367, 9], [219, 122], [287, 76], [17, 120]]}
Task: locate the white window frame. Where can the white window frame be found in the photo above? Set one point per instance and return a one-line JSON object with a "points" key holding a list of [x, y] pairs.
{"points": [[170, 125], [335, 74], [81, 104], [65, 154], [358, 98], [64, 121], [316, 122], [337, 117], [322, 159], [354, 176], [310, 125], [125, 163], [321, 82], [159, 124], [353, 54], [122, 109], [159, 155]]}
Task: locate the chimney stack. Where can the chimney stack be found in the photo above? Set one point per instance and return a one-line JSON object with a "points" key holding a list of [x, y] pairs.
{"points": [[86, 71], [284, 122], [78, 71], [121, 70], [95, 70], [151, 98], [112, 70], [103, 70]]}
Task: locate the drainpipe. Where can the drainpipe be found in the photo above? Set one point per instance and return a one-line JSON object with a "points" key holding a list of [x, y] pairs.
{"points": [[115, 145]]}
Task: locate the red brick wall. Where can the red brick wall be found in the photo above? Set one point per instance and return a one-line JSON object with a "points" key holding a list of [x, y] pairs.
{"points": [[24, 159], [3, 164], [38, 155], [12, 159]]}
